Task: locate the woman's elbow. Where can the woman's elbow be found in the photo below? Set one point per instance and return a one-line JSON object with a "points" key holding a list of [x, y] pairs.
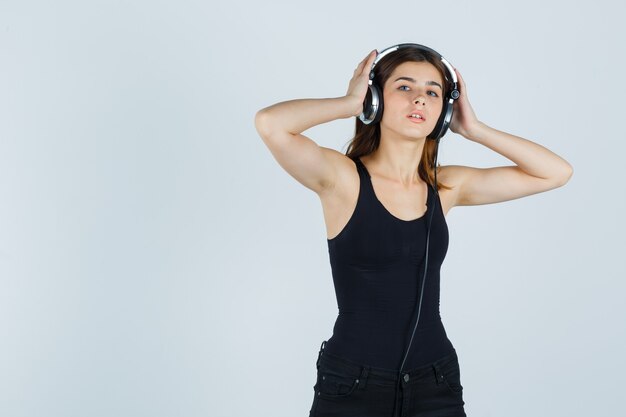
{"points": [[567, 173]]}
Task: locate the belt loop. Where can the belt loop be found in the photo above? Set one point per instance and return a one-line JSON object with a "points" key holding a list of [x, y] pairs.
{"points": [[363, 378], [438, 374], [319, 355]]}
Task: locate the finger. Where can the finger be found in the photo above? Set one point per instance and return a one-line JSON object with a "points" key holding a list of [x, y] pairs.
{"points": [[458, 74], [372, 56], [367, 59], [359, 67], [461, 83]]}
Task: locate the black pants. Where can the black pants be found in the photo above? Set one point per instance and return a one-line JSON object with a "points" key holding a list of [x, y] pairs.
{"points": [[347, 389]]}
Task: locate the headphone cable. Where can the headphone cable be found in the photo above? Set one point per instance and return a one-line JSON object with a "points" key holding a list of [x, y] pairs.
{"points": [[423, 281]]}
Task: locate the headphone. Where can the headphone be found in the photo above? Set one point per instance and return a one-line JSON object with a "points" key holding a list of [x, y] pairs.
{"points": [[373, 104], [373, 113]]}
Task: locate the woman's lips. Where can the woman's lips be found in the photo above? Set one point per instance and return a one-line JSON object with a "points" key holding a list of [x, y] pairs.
{"points": [[415, 119]]}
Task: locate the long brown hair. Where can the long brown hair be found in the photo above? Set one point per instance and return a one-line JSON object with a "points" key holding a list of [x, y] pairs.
{"points": [[367, 137]]}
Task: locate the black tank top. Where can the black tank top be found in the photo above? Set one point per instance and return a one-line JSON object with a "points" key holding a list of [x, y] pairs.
{"points": [[377, 262]]}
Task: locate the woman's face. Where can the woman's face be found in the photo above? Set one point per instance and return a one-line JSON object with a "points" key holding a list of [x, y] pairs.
{"points": [[412, 87]]}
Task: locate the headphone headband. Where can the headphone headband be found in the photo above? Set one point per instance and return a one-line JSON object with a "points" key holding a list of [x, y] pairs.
{"points": [[394, 48]]}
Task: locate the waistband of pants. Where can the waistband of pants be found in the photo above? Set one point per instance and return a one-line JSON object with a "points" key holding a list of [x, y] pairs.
{"points": [[383, 374]]}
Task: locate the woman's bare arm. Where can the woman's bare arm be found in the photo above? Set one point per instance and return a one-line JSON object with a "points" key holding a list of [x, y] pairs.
{"points": [[537, 168], [280, 126]]}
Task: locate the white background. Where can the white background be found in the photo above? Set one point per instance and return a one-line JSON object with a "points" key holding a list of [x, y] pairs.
{"points": [[155, 260]]}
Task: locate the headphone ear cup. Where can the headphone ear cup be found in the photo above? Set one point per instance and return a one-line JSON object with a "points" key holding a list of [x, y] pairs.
{"points": [[378, 115], [372, 105]]}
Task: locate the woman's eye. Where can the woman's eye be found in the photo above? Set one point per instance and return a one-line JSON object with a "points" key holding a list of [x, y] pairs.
{"points": [[406, 86]]}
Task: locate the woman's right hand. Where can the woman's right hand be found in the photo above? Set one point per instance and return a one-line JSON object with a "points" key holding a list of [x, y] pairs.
{"points": [[359, 84]]}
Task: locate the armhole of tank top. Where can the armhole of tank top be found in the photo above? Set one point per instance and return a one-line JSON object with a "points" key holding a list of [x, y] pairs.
{"points": [[360, 170], [432, 195], [356, 206], [437, 200]]}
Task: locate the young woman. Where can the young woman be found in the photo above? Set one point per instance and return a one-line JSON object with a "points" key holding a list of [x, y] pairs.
{"points": [[384, 207]]}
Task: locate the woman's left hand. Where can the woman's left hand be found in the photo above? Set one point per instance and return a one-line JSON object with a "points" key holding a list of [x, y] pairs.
{"points": [[464, 120]]}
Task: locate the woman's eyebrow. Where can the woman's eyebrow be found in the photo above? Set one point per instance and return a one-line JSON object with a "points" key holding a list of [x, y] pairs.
{"points": [[413, 81]]}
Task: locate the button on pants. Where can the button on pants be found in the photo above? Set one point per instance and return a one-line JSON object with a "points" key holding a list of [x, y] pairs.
{"points": [[347, 389]]}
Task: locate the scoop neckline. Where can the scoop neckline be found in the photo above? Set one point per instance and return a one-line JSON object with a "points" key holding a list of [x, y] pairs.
{"points": [[369, 178]]}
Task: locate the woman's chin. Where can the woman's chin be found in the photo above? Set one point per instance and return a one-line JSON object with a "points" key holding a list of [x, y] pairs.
{"points": [[415, 132]]}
